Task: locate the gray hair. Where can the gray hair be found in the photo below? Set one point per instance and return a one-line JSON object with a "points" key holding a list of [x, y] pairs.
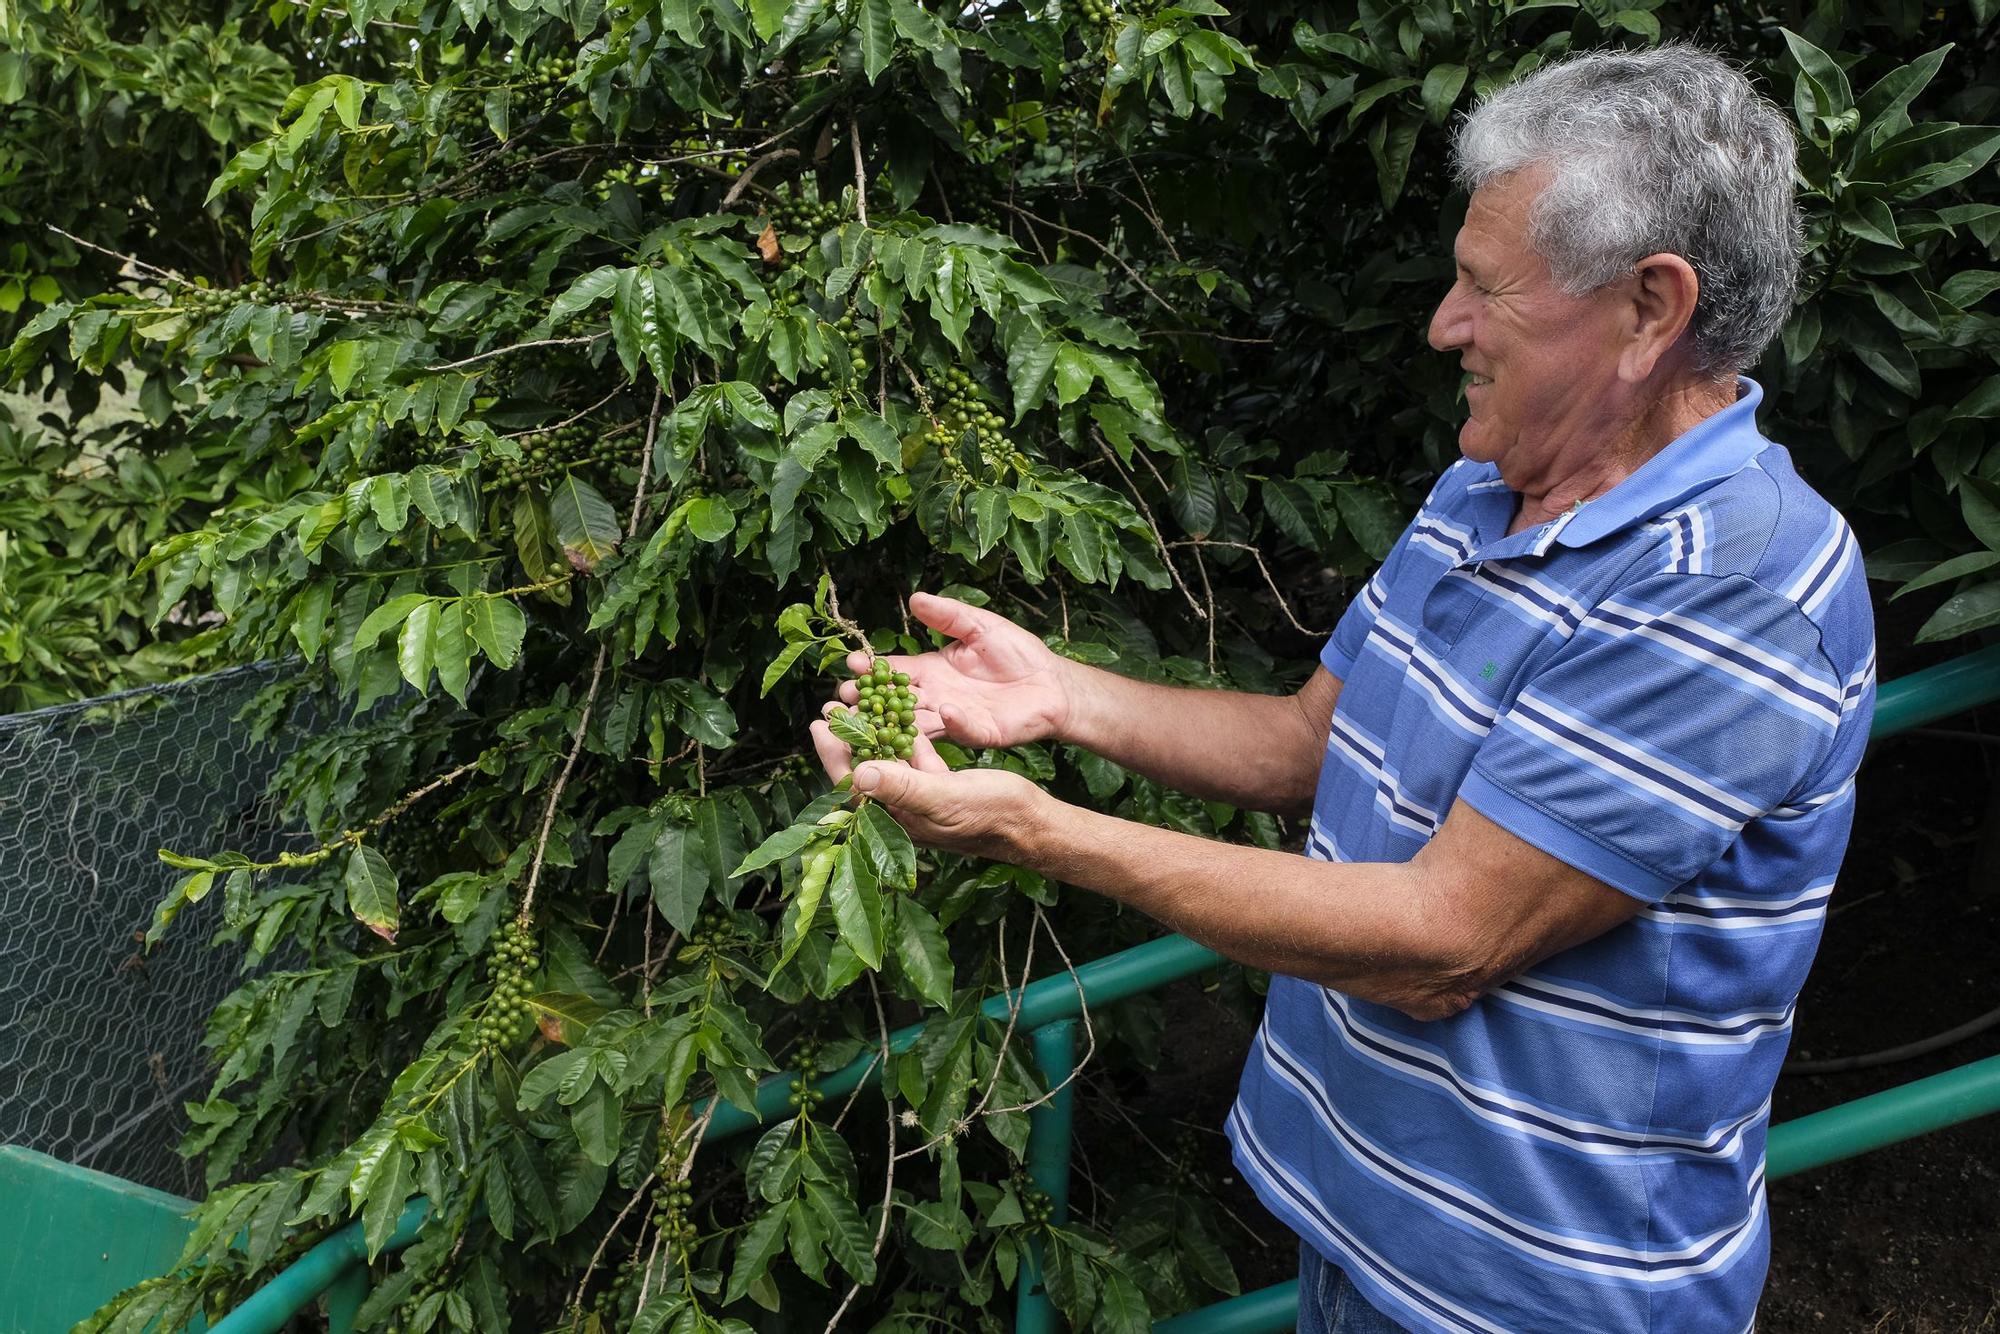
{"points": [[1662, 151]]}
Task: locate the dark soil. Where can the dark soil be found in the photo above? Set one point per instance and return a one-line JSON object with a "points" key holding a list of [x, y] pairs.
{"points": [[1902, 1241]]}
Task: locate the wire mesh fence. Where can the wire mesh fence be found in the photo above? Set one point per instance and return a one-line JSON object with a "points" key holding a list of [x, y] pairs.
{"points": [[100, 1042]]}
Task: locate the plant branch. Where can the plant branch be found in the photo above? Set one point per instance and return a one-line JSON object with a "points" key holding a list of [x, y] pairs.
{"points": [[526, 913], [1263, 569], [889, 1171], [1152, 524], [1106, 250], [515, 347], [860, 189]]}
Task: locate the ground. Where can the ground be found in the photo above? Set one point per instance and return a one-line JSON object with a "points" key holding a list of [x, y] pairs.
{"points": [[1902, 1241]]}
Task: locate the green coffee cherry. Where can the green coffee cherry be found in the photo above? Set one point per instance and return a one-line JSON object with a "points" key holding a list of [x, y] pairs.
{"points": [[886, 704], [511, 959]]}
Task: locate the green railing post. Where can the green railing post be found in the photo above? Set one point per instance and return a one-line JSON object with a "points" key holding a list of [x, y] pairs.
{"points": [[344, 1298], [266, 1310], [1048, 1167]]}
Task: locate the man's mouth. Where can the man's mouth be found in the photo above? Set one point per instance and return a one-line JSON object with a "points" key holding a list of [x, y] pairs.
{"points": [[1472, 380]]}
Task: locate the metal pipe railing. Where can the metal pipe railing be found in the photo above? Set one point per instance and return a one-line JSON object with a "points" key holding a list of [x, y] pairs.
{"points": [[1838, 1132], [1049, 1132]]}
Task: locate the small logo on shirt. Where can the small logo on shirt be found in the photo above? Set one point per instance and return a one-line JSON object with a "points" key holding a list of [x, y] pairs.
{"points": [[1487, 672]]}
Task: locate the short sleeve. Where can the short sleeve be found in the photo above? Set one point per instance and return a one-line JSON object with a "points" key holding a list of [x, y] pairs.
{"points": [[1684, 707]]}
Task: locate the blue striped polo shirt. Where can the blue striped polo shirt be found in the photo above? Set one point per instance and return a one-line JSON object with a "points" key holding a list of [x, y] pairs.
{"points": [[1670, 688]]}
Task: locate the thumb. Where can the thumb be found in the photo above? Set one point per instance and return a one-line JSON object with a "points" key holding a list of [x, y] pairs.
{"points": [[947, 616], [897, 785]]}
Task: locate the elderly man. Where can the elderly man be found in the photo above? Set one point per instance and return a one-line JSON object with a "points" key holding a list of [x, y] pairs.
{"points": [[1580, 760]]}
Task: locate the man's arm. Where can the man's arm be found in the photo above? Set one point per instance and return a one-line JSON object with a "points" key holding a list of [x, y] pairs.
{"points": [[996, 684], [1258, 751], [1427, 937]]}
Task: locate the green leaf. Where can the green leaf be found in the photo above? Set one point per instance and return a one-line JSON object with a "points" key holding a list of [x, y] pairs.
{"points": [[678, 874], [887, 846], [759, 1245], [585, 526], [878, 37], [413, 645], [391, 613], [1443, 84], [451, 650], [371, 891], [782, 664], [1375, 520], [768, 16], [1975, 609], [1946, 571], [1824, 73], [857, 905], [498, 627], [922, 952], [710, 519], [596, 1119], [786, 842], [848, 1238]]}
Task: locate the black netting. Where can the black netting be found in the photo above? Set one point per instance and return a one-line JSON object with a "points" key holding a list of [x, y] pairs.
{"points": [[100, 1043]]}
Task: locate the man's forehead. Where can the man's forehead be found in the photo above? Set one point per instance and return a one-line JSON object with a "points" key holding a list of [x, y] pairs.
{"points": [[1496, 218]]}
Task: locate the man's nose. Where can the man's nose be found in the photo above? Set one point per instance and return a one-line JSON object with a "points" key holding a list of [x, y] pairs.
{"points": [[1451, 321]]}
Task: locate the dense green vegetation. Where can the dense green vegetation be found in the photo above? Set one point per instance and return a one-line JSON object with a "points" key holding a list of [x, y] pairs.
{"points": [[568, 384]]}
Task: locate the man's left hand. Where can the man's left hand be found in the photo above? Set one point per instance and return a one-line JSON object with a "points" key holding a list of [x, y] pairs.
{"points": [[979, 812]]}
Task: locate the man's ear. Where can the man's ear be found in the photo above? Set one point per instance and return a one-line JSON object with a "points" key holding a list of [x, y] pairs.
{"points": [[1661, 292]]}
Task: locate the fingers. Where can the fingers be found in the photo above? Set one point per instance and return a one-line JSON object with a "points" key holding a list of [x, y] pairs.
{"points": [[834, 755], [898, 785], [849, 692], [949, 616], [858, 662], [924, 756]]}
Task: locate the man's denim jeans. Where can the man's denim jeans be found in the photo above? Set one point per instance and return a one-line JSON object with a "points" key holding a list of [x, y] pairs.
{"points": [[1329, 1304]]}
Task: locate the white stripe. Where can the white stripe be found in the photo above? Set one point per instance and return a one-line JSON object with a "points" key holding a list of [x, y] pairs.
{"points": [[1367, 757], [1782, 668], [1817, 891], [1626, 773], [1494, 577], [1455, 1201], [1807, 805], [1305, 1199], [1785, 690], [1850, 552], [1725, 1141], [1631, 1019], [1696, 922], [1698, 558], [1664, 768], [1454, 700]]}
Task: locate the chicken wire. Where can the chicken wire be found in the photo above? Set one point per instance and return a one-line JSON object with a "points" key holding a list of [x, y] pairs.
{"points": [[100, 1043]]}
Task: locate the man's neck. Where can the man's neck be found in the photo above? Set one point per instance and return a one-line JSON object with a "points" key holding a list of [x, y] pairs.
{"points": [[1618, 451]]}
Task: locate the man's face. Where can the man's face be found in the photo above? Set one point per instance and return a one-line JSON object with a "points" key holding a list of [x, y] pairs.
{"points": [[1541, 366]]}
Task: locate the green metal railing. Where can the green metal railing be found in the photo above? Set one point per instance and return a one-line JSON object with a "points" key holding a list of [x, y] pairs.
{"points": [[1048, 1009]]}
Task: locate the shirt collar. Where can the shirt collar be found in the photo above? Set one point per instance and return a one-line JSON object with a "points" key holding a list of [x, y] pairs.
{"points": [[1714, 448]]}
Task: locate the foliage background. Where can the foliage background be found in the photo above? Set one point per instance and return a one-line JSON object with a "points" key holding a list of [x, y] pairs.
{"points": [[445, 346]]}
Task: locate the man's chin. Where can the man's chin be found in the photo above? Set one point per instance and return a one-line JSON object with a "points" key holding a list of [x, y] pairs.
{"points": [[1476, 443]]}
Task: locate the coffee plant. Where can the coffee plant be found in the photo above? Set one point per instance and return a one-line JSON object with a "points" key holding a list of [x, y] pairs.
{"points": [[568, 388]]}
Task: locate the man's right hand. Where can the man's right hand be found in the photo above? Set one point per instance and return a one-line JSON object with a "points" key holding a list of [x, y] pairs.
{"points": [[994, 684]]}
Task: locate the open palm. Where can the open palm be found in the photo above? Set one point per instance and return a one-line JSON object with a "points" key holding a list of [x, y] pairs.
{"points": [[994, 684]]}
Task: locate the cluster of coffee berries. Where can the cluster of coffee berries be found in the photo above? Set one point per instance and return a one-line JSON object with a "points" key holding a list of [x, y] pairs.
{"points": [[1037, 1205], [406, 1316], [848, 330], [887, 706], [788, 213], [805, 1057], [961, 412], [1096, 13], [546, 79], [499, 169], [672, 1198], [205, 302], [510, 961], [574, 446]]}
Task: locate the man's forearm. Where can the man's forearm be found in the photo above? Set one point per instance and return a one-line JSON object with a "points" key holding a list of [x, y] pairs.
{"points": [[1256, 751], [1364, 928]]}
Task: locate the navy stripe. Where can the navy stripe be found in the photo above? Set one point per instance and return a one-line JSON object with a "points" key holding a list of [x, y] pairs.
{"points": [[1527, 704], [1804, 688], [1525, 985]]}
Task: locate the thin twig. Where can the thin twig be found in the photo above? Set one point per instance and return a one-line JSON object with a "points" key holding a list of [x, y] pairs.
{"points": [[1151, 210], [1152, 524], [833, 614], [1108, 252], [573, 419], [576, 1302], [515, 347], [1204, 333], [749, 174], [119, 255], [1015, 997], [1269, 582], [526, 914], [889, 1173], [860, 189], [1042, 923]]}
